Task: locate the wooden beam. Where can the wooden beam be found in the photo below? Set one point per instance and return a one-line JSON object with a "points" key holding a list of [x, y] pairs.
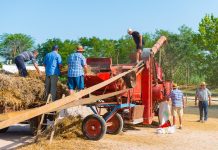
{"points": [[8, 115], [91, 99]]}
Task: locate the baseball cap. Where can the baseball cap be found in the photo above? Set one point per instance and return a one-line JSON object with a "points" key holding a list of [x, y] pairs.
{"points": [[55, 47], [129, 30]]}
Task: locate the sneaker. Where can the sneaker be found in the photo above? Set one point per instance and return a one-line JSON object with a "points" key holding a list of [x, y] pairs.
{"points": [[180, 127], [202, 121], [199, 120]]}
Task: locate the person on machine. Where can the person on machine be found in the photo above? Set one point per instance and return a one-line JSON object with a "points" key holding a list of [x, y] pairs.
{"points": [[138, 39]]}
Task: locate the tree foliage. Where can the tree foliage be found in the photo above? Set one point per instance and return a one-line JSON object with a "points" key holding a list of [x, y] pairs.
{"points": [[13, 44], [207, 41], [65, 48], [187, 58], [179, 56]]}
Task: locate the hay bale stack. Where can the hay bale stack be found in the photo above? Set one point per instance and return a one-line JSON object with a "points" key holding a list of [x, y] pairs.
{"points": [[21, 93]]}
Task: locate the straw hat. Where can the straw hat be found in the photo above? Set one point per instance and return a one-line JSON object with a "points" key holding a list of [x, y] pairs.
{"points": [[203, 83], [175, 85], [80, 48]]}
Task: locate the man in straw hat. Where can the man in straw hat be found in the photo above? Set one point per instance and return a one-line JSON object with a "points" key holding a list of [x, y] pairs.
{"points": [[76, 67], [178, 104], [203, 95]]}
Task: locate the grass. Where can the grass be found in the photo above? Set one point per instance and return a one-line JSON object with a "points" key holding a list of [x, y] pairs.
{"points": [[190, 90]]}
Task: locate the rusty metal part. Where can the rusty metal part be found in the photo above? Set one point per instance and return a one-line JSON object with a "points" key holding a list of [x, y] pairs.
{"points": [[158, 44], [130, 79]]}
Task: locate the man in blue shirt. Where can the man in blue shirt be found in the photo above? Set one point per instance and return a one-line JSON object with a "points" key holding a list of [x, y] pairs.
{"points": [[177, 99], [25, 57], [53, 64], [76, 64]]}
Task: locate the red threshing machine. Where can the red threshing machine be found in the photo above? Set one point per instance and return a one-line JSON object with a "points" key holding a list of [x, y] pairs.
{"points": [[145, 88], [128, 93]]}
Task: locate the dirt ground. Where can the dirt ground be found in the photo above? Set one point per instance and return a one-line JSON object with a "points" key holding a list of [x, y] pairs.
{"points": [[193, 136]]}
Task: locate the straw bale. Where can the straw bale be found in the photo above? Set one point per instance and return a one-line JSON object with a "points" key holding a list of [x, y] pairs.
{"points": [[22, 92]]}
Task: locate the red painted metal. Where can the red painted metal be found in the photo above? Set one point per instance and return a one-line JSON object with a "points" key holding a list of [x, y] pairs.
{"points": [[159, 72], [101, 63], [93, 127], [149, 87], [158, 44], [146, 85], [158, 92], [112, 124], [167, 87]]}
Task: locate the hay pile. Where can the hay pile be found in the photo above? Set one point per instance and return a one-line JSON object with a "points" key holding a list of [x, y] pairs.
{"points": [[21, 93], [69, 127]]}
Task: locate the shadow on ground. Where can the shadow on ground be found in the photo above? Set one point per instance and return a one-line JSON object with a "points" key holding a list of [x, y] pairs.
{"points": [[15, 136], [212, 110]]}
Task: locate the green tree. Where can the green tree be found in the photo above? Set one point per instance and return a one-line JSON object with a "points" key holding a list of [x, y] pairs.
{"points": [[13, 44], [179, 56], [65, 48], [207, 38], [207, 41]]}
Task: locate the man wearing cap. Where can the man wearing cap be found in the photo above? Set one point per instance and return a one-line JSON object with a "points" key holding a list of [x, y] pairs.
{"points": [[178, 104], [138, 39], [53, 64], [76, 67], [25, 57], [203, 95]]}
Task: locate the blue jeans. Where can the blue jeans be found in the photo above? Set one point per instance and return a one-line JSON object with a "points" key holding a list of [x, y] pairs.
{"points": [[19, 61], [203, 108]]}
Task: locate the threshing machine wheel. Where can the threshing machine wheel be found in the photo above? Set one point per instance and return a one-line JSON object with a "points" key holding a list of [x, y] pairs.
{"points": [[115, 124], [4, 130], [94, 127]]}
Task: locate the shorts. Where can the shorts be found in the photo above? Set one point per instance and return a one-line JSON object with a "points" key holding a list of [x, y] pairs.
{"points": [[139, 47], [76, 82], [177, 111]]}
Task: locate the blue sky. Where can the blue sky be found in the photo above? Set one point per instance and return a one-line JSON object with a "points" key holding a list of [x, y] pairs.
{"points": [[71, 19]]}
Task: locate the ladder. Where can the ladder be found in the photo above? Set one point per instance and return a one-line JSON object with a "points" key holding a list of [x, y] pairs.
{"points": [[55, 116]]}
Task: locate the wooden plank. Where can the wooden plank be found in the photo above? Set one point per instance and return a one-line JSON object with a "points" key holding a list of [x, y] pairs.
{"points": [[83, 101], [90, 100], [9, 115], [56, 104]]}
